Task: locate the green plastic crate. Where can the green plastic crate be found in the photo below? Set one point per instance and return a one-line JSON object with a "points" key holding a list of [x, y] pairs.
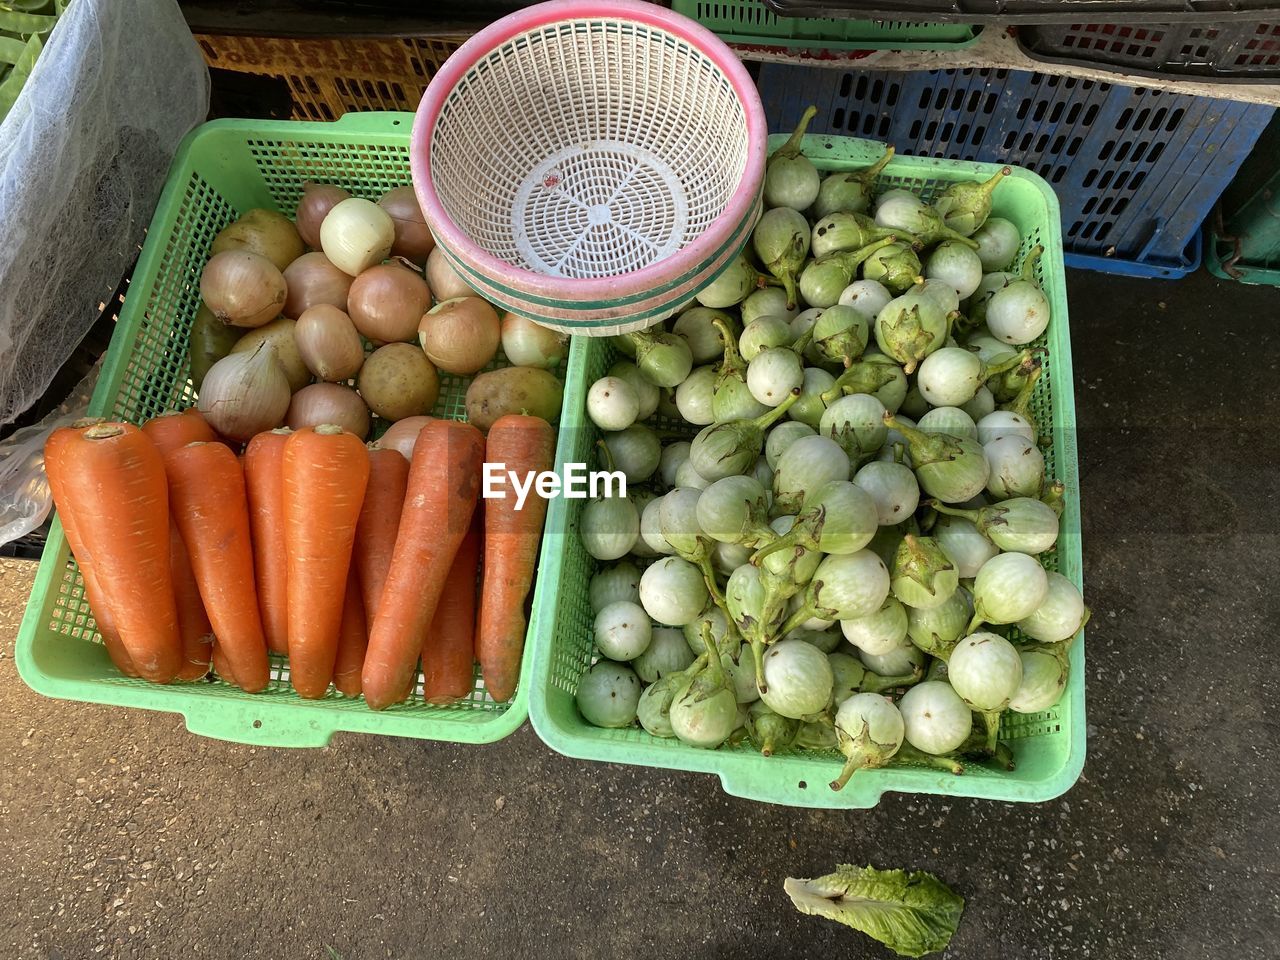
{"points": [[222, 169], [751, 22], [1049, 747], [1255, 228]]}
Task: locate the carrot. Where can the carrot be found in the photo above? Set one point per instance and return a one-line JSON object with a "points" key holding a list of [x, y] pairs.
{"points": [[92, 592], [220, 665], [448, 653], [353, 640], [264, 484], [511, 538], [206, 486], [379, 521], [109, 479], [326, 471], [444, 481], [193, 623], [176, 428]]}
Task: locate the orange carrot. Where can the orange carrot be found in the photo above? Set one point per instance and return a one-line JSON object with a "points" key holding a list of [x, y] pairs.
{"points": [[193, 623], [206, 486], [326, 471], [92, 592], [176, 428], [511, 538], [379, 521], [444, 481], [448, 653], [220, 665], [353, 640], [109, 479], [264, 485]]}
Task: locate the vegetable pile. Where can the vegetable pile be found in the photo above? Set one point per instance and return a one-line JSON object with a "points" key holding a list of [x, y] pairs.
{"points": [[846, 554], [355, 561], [24, 29], [353, 337]]}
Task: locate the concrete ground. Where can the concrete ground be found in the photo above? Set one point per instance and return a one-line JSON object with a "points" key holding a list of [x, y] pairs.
{"points": [[125, 836]]}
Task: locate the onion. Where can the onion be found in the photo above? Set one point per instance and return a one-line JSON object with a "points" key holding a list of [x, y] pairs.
{"points": [[328, 343], [387, 302], [279, 337], [529, 344], [312, 279], [356, 234], [413, 237], [264, 232], [403, 435], [317, 200], [445, 282], [329, 403], [242, 289], [244, 394], [460, 335]]}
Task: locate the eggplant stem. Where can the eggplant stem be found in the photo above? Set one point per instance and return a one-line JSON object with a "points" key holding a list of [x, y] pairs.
{"points": [[792, 147], [947, 762]]}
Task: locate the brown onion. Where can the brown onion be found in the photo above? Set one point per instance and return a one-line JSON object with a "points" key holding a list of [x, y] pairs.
{"points": [[386, 302], [328, 343], [460, 335], [242, 289], [413, 237], [317, 200], [328, 403], [312, 279], [403, 435], [264, 232], [244, 394], [445, 282], [279, 337]]}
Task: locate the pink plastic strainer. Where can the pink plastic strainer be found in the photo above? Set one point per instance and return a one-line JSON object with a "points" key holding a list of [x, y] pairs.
{"points": [[589, 155]]}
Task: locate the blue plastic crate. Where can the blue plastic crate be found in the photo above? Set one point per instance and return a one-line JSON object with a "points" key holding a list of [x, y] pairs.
{"points": [[1136, 171]]}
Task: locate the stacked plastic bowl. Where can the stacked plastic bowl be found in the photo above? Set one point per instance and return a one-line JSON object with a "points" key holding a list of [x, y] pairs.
{"points": [[590, 166]]}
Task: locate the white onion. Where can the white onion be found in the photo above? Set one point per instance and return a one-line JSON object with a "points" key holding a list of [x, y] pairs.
{"points": [[357, 234], [244, 394], [242, 289], [529, 344]]}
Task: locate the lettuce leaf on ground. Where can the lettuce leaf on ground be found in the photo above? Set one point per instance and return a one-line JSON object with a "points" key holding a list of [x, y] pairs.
{"points": [[911, 914]]}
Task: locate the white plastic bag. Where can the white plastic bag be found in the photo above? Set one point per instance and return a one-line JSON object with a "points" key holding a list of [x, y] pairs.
{"points": [[83, 156], [25, 500]]}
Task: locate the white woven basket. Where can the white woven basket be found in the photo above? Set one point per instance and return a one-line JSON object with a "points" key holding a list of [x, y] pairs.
{"points": [[588, 161]]}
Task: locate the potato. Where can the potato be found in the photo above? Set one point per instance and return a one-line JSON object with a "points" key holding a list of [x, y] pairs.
{"points": [[513, 390], [398, 381]]}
